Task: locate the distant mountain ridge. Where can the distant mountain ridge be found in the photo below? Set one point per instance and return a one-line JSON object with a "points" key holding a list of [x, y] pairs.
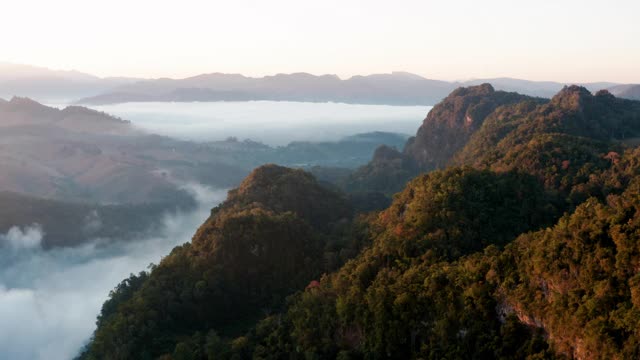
{"points": [[396, 88], [48, 85], [631, 92], [393, 89]]}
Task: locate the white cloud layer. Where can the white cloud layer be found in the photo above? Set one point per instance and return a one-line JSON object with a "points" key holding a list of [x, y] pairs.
{"points": [[271, 122], [17, 238]]}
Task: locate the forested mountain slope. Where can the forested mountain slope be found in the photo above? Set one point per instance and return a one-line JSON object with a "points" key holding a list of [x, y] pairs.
{"points": [[273, 234], [524, 246]]}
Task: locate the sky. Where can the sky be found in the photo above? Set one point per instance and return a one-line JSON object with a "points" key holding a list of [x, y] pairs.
{"points": [[560, 40]]}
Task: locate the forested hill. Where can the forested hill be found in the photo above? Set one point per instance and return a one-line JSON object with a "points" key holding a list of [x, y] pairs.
{"points": [[486, 128], [277, 231], [521, 242]]}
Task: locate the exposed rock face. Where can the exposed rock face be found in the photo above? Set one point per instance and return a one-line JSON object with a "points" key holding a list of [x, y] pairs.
{"points": [[572, 347], [446, 130], [449, 124]]}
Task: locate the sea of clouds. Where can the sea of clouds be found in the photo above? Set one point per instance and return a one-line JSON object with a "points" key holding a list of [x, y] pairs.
{"points": [[271, 122]]}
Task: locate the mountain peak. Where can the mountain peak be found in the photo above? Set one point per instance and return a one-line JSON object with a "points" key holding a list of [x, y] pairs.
{"points": [[575, 89], [267, 175], [605, 94], [283, 189], [17, 100], [477, 90], [572, 97], [452, 121]]}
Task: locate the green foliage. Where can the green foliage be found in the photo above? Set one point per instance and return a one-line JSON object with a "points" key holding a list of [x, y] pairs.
{"points": [[564, 142], [445, 131], [461, 264], [580, 278], [259, 246], [402, 297], [461, 210]]}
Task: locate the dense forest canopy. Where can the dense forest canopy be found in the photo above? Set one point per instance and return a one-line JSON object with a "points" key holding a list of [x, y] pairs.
{"points": [[517, 238]]}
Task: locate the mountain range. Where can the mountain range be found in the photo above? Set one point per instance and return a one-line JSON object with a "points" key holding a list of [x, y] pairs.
{"points": [[397, 88], [53, 85]]}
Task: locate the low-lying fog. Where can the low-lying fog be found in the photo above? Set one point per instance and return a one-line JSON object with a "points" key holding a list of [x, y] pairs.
{"points": [[270, 122], [49, 300]]}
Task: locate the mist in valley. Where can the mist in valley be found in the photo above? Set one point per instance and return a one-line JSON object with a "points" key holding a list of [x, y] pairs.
{"points": [[49, 299], [275, 123]]}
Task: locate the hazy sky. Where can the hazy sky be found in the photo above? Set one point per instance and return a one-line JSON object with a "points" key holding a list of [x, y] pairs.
{"points": [[563, 40]]}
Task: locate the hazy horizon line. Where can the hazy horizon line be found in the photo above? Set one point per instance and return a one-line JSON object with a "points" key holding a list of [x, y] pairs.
{"points": [[341, 77]]}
